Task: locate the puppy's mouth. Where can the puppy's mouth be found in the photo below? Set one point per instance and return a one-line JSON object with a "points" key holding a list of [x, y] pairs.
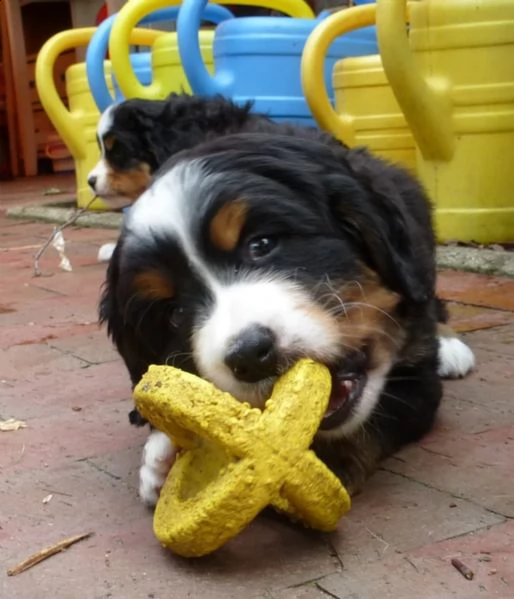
{"points": [[349, 380], [347, 389]]}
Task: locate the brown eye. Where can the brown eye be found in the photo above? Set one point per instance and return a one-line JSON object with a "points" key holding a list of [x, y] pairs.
{"points": [[176, 316], [259, 247]]}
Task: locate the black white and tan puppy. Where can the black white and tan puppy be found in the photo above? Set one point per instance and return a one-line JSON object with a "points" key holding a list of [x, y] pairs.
{"points": [[253, 250], [137, 136]]}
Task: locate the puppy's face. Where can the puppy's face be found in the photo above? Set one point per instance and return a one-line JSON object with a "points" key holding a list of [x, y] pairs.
{"points": [[126, 159], [234, 265]]}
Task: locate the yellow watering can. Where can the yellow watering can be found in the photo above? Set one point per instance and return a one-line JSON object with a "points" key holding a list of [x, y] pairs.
{"points": [[453, 76], [77, 124], [167, 73], [366, 111]]}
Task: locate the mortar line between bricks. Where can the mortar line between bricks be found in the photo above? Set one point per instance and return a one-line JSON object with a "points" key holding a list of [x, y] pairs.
{"points": [[100, 469], [48, 290], [67, 352], [333, 551], [325, 592], [485, 306], [297, 585], [450, 494]]}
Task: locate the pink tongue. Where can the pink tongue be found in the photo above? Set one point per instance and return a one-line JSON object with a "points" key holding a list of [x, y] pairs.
{"points": [[339, 395]]}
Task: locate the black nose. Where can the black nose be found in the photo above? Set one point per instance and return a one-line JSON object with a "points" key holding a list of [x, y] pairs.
{"points": [[91, 182], [252, 356]]}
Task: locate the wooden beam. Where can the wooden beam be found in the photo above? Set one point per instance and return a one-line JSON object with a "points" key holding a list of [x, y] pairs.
{"points": [[16, 41]]}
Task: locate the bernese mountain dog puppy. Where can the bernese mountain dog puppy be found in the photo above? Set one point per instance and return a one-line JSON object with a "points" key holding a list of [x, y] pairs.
{"points": [[137, 136], [253, 250]]}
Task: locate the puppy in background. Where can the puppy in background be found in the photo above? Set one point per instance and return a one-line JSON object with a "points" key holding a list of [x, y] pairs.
{"points": [[137, 136], [253, 250]]}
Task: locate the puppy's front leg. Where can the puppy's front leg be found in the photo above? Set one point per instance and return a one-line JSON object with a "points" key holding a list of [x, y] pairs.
{"points": [[353, 459], [158, 457]]}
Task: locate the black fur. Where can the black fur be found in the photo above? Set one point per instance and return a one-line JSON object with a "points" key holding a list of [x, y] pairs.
{"points": [[337, 213]]}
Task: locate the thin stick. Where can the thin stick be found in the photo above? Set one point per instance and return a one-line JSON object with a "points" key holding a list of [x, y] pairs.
{"points": [[466, 571], [70, 221], [46, 553]]}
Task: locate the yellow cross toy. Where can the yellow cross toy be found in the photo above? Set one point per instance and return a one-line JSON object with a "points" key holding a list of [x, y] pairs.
{"points": [[235, 460]]}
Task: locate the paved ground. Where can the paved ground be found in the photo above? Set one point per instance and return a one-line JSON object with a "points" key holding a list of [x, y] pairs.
{"points": [[450, 496]]}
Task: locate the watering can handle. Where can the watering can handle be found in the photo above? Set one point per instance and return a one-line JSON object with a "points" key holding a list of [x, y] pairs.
{"points": [[188, 24], [312, 68], [63, 120], [426, 107], [97, 51], [126, 20]]}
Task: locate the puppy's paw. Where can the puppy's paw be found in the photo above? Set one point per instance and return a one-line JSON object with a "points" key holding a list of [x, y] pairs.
{"points": [[105, 252], [158, 457], [456, 359]]}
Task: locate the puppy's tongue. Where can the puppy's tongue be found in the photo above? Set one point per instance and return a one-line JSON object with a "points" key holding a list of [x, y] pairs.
{"points": [[341, 390]]}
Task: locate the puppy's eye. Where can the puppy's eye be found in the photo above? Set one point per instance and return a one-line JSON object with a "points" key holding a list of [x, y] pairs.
{"points": [[259, 247], [176, 316]]}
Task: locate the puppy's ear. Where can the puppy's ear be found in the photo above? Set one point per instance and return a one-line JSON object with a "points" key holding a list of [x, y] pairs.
{"points": [[111, 313], [388, 215]]}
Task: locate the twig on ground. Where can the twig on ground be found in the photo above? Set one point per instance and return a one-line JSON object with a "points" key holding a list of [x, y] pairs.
{"points": [[45, 553], [466, 571], [56, 231]]}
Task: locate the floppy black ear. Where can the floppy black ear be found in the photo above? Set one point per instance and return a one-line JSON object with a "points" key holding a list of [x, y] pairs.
{"points": [[388, 214], [112, 314]]}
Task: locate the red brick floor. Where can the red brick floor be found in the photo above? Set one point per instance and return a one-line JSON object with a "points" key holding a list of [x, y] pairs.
{"points": [[450, 496]]}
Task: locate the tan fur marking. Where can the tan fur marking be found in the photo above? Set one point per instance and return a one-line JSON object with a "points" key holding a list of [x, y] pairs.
{"points": [[130, 184], [368, 318], [226, 226], [153, 284], [108, 142]]}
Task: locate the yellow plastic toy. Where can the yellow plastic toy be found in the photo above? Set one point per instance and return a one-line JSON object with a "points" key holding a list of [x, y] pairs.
{"points": [[77, 124], [236, 459], [366, 110], [167, 71], [453, 76]]}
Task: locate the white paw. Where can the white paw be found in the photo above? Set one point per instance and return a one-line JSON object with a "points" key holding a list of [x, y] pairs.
{"points": [[456, 359], [158, 457], [105, 252]]}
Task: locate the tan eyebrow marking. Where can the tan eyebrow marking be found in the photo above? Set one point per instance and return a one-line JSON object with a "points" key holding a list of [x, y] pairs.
{"points": [[227, 224]]}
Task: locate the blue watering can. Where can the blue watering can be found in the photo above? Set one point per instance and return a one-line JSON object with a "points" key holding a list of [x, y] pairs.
{"points": [[141, 62], [259, 58]]}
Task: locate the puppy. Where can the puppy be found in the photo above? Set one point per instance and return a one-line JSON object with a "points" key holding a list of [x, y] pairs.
{"points": [[137, 136], [253, 250]]}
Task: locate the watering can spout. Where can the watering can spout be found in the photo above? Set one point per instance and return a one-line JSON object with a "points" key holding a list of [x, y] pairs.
{"points": [[188, 25], [134, 13], [425, 104]]}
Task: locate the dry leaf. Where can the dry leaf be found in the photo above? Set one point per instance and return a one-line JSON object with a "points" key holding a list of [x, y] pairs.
{"points": [[59, 244], [47, 498], [12, 424]]}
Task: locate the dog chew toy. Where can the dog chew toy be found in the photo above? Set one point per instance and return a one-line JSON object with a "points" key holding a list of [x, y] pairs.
{"points": [[234, 459]]}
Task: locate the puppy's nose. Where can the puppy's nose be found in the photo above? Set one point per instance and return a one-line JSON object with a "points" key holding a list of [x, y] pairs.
{"points": [[253, 355], [91, 180]]}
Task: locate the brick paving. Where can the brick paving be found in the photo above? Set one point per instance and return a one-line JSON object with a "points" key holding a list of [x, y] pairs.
{"points": [[452, 495]]}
